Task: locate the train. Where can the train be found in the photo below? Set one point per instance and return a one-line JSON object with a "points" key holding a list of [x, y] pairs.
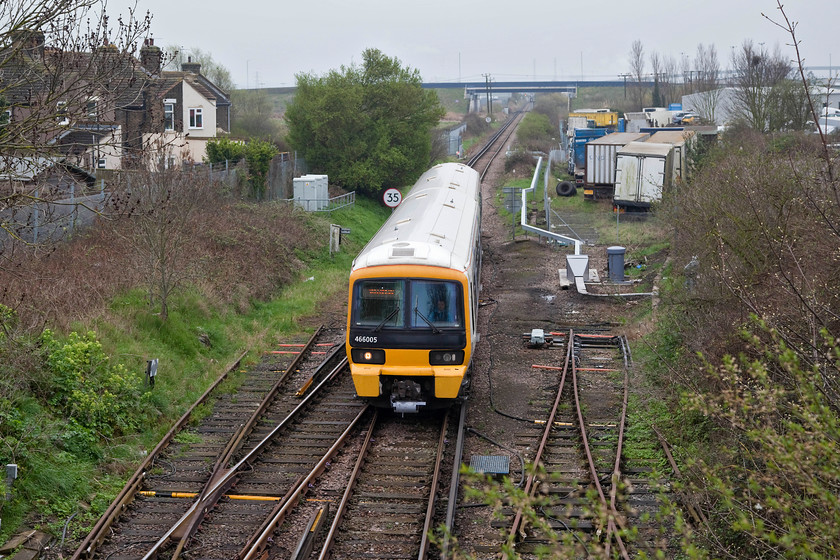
{"points": [[413, 296]]}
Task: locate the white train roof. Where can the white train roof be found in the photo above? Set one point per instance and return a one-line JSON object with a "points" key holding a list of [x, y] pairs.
{"points": [[433, 225]]}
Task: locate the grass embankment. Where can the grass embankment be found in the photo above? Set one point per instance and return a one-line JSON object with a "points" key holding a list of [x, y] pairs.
{"points": [[76, 414]]}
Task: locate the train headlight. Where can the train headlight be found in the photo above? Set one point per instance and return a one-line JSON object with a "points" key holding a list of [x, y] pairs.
{"points": [[367, 356], [446, 357]]}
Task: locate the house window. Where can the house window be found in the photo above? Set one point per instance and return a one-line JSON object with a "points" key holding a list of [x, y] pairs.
{"points": [[169, 116], [91, 108], [61, 113], [6, 118], [196, 119], [101, 163]]}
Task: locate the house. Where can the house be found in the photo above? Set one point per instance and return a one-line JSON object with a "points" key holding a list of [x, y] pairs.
{"points": [[104, 109], [186, 111]]}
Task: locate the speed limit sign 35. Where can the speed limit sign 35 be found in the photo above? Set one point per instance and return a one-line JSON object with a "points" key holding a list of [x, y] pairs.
{"points": [[392, 198]]}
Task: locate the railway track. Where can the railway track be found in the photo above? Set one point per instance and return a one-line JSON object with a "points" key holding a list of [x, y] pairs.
{"points": [[585, 498], [291, 465], [483, 158], [183, 466]]}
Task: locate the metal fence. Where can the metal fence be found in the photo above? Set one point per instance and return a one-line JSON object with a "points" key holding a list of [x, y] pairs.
{"points": [[324, 205], [51, 221]]}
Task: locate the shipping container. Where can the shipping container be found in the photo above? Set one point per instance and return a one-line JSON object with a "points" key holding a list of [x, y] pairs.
{"points": [[599, 117], [643, 172], [582, 137], [577, 122], [600, 156], [682, 141]]}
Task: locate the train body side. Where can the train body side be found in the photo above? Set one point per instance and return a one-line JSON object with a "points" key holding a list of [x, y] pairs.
{"points": [[413, 295]]}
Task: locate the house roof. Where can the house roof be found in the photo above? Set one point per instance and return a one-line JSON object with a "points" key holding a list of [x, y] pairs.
{"points": [[199, 82]]}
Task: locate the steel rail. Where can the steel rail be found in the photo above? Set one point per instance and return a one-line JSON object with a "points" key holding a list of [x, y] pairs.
{"points": [[496, 140], [126, 495], [348, 492], [430, 506], [612, 514], [454, 482], [616, 474], [237, 440], [228, 477], [256, 543], [530, 487], [695, 512]]}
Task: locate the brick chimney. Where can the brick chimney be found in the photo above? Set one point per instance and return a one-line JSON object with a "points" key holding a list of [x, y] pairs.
{"points": [[150, 57], [190, 66], [30, 42]]}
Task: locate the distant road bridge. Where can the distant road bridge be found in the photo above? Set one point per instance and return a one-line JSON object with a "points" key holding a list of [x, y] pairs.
{"points": [[475, 91], [555, 86]]}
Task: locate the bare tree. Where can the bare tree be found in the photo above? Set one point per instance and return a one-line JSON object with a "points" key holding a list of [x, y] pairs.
{"points": [[707, 82], [159, 201], [669, 82], [757, 72], [213, 70], [68, 78], [637, 70], [687, 75], [656, 68]]}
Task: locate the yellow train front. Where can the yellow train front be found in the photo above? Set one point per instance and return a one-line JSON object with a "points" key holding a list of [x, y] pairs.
{"points": [[413, 297]]}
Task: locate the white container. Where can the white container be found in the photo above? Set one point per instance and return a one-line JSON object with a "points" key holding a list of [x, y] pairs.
{"points": [[311, 192], [681, 140], [643, 172], [601, 155]]}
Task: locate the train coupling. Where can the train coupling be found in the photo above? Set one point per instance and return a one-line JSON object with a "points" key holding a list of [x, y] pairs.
{"points": [[406, 397]]}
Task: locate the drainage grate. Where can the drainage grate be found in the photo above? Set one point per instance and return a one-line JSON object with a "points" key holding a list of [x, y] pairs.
{"points": [[490, 464]]}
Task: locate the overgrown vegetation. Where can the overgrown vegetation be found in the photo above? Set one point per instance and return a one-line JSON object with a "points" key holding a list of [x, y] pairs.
{"points": [[75, 411], [750, 325]]}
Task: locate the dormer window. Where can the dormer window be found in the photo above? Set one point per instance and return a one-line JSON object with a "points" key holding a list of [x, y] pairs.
{"points": [[196, 118]]}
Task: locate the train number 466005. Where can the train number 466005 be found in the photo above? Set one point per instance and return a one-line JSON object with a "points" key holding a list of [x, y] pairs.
{"points": [[367, 339]]}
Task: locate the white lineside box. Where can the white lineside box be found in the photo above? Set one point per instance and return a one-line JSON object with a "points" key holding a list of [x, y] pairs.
{"points": [[311, 192]]}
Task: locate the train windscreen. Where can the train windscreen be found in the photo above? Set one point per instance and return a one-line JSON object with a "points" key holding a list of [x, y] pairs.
{"points": [[423, 304], [378, 303]]}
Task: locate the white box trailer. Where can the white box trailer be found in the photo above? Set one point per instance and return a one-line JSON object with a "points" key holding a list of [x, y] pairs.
{"points": [[643, 171], [682, 141], [600, 156]]}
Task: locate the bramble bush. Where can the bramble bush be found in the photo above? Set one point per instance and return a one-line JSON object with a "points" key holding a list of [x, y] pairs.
{"points": [[774, 485]]}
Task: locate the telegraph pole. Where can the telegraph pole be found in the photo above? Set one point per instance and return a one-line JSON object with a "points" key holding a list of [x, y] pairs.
{"points": [[487, 90], [625, 76]]}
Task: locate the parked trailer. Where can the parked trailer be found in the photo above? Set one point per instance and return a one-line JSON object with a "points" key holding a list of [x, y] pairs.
{"points": [[643, 171], [682, 141], [599, 180], [577, 159]]}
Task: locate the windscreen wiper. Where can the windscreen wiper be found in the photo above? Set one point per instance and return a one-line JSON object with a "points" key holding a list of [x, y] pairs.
{"points": [[434, 328], [390, 316]]}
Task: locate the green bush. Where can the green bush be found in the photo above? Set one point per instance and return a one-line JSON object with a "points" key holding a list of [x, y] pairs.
{"points": [[535, 132], [223, 149], [258, 154], [98, 398]]}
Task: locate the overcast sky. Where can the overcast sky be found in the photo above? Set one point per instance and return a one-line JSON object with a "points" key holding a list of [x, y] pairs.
{"points": [[266, 42]]}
